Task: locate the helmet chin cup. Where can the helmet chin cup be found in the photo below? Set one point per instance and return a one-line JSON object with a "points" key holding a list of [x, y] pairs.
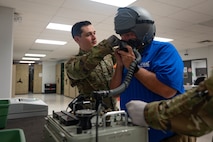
{"points": [[134, 43]]}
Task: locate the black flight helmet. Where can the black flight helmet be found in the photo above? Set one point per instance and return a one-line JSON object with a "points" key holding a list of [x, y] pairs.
{"points": [[137, 20]]}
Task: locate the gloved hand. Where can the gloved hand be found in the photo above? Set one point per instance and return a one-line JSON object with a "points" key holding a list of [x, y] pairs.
{"points": [[113, 41], [136, 112]]}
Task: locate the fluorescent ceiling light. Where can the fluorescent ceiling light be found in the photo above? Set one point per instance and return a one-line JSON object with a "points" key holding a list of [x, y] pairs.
{"points": [[27, 62], [61, 27], [118, 3], [28, 58], [44, 41], [163, 39], [35, 55]]}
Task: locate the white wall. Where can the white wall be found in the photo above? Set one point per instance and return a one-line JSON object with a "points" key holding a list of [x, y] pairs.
{"points": [[199, 53], [6, 51], [48, 73]]}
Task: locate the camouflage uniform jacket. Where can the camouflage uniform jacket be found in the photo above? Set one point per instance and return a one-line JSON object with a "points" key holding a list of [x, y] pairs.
{"points": [[92, 71], [188, 114]]}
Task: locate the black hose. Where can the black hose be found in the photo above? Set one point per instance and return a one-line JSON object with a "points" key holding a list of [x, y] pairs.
{"points": [[125, 84]]}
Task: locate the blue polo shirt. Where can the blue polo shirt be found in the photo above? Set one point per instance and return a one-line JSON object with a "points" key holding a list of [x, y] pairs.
{"points": [[163, 59]]}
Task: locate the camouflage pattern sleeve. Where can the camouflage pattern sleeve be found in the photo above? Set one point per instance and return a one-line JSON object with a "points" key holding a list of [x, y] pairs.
{"points": [[80, 66], [188, 114]]}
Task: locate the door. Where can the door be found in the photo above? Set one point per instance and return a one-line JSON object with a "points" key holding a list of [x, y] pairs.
{"points": [[58, 78], [14, 81], [37, 78], [62, 78], [66, 84], [22, 79], [69, 91]]}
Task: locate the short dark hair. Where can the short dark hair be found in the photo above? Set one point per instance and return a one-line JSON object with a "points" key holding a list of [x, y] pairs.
{"points": [[76, 28]]}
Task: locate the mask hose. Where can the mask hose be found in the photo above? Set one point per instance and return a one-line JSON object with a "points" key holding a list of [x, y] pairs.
{"points": [[125, 84]]}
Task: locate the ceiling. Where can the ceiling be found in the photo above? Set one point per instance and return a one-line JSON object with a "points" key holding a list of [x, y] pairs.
{"points": [[188, 22]]}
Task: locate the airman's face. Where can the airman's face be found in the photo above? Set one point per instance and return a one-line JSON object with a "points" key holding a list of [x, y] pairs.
{"points": [[87, 39]]}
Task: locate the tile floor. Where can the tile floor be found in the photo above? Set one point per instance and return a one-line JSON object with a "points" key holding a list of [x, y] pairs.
{"points": [[60, 102]]}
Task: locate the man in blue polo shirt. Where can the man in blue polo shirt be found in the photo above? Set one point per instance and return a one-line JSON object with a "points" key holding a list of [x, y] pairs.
{"points": [[158, 76]]}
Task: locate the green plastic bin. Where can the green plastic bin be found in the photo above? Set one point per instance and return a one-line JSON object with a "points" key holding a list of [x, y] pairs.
{"points": [[12, 135], [4, 106]]}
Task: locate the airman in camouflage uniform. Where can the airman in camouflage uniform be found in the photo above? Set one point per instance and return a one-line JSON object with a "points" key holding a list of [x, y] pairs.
{"points": [[188, 114], [91, 70]]}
